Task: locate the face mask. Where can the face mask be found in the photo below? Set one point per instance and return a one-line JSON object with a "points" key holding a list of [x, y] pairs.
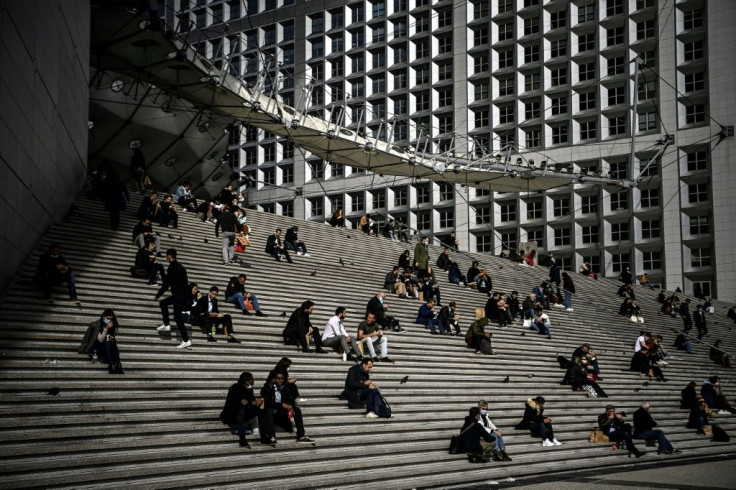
{"points": [[380, 300], [53, 256], [106, 321], [484, 412]]}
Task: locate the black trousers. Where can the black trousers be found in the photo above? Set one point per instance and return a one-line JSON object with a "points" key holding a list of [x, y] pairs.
{"points": [[281, 417]]}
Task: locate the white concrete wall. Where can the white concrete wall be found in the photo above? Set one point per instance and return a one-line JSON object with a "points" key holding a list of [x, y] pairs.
{"points": [[44, 73]]}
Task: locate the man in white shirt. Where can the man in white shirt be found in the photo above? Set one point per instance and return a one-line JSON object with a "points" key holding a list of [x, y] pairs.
{"points": [[334, 334], [490, 427], [641, 341], [541, 323]]}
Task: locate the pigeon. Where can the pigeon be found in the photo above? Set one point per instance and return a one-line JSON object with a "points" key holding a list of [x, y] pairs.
{"points": [[348, 236], [180, 238], [54, 392], [352, 263], [645, 383], [283, 314], [501, 267], [505, 380], [314, 273], [404, 380], [523, 333], [206, 241], [341, 262], [637, 390], [171, 236], [530, 376]]}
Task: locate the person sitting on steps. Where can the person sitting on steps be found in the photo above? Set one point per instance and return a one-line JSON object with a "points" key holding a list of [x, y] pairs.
{"points": [[299, 328], [52, 271], [292, 240], [612, 424], [276, 248], [236, 294]]}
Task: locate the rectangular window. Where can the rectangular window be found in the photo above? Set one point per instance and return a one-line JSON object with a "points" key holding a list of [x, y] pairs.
{"points": [[589, 204], [505, 87], [617, 125], [700, 257], [357, 14], [481, 90], [482, 215], [422, 101], [650, 229], [287, 174], [590, 234], [358, 202], [586, 71], [587, 100], [338, 19], [480, 64], [338, 44], [506, 114], [531, 26], [447, 191], [586, 42], [481, 8], [357, 39], [445, 97], [559, 106], [586, 13], [699, 225], [692, 19], [561, 207], [694, 81], [558, 48], [400, 29], [481, 118], [697, 192], [424, 194], [614, 7], [444, 124], [480, 37], [647, 90], [533, 138], [616, 66], [652, 260], [559, 134], [531, 82], [447, 218], [645, 30], [444, 18], [338, 68], [422, 49], [505, 31], [358, 63], [484, 243], [536, 235], [614, 36], [505, 6], [317, 206], [269, 176], [379, 199], [558, 19], [534, 210], [400, 197], [379, 85], [508, 212], [693, 50], [336, 202], [562, 237], [616, 95], [378, 34], [619, 262], [588, 130], [531, 109], [445, 70], [695, 113], [287, 209], [531, 54], [508, 239], [379, 9], [697, 160], [559, 77], [400, 80], [445, 44], [649, 198], [424, 220], [619, 201]]}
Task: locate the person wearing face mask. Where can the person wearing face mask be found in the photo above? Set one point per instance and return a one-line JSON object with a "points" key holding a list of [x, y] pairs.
{"points": [[99, 340], [493, 431], [241, 406], [280, 407], [52, 271]]}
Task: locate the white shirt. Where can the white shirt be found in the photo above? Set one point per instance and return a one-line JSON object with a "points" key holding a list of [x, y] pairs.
{"points": [[334, 328], [641, 340], [490, 427], [543, 318]]}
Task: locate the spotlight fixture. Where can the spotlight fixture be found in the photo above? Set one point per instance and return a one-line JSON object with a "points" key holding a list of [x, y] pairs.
{"points": [[543, 165], [134, 144], [330, 134], [90, 125], [519, 161], [204, 127], [513, 174], [530, 162], [117, 86], [170, 162], [295, 124], [498, 157]]}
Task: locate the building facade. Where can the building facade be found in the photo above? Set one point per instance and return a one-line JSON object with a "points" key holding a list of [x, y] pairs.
{"points": [[552, 80]]}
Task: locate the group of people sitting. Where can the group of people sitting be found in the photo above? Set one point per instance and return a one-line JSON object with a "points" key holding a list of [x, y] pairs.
{"points": [[649, 355], [583, 372]]}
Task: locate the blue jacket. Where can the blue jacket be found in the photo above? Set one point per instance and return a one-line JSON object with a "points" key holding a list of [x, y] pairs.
{"points": [[425, 315]]}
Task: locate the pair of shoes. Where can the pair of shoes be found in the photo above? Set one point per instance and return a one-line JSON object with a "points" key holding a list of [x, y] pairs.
{"points": [[302, 400], [637, 454], [246, 311], [299, 253], [244, 443], [505, 456], [556, 442], [399, 329], [184, 344], [260, 313], [232, 340], [568, 309], [474, 459], [306, 255], [271, 441], [549, 336], [321, 351], [371, 415], [111, 369], [497, 457], [226, 263], [164, 328], [375, 360], [119, 369], [547, 443], [388, 359], [304, 440], [210, 338], [308, 351]]}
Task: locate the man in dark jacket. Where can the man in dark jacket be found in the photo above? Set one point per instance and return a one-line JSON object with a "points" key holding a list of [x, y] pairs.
{"points": [[644, 428], [207, 315], [275, 247], [143, 232], [699, 320], [612, 424], [473, 272], [449, 318], [241, 406], [626, 277], [236, 294], [444, 261], [229, 224], [299, 327], [292, 240], [149, 207], [475, 441], [535, 421], [377, 306], [357, 383], [145, 260], [280, 407], [52, 271], [176, 279], [684, 311]]}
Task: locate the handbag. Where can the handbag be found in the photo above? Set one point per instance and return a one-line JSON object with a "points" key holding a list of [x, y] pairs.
{"points": [[527, 323], [598, 436], [455, 441], [248, 304]]}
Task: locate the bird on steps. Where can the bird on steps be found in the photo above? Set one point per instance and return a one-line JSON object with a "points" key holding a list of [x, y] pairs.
{"points": [[206, 241], [523, 333], [314, 273], [171, 236], [54, 392], [283, 314], [341, 262], [505, 380], [404, 380]]}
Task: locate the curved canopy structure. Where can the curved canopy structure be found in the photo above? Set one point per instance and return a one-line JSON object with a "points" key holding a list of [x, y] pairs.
{"points": [[138, 46]]}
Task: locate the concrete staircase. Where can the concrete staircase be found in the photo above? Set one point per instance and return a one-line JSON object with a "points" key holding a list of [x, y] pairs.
{"points": [[157, 425]]}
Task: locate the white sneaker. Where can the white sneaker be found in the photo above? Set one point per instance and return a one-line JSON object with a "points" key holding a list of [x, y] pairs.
{"points": [[306, 255], [184, 345], [724, 412], [556, 442], [302, 400], [164, 328], [299, 253], [547, 443], [371, 415], [568, 309]]}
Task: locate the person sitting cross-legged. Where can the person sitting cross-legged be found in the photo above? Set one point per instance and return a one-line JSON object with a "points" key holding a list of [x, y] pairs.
{"points": [[143, 233], [370, 334], [612, 424], [280, 408], [644, 428], [207, 315], [146, 264], [334, 335], [477, 338]]}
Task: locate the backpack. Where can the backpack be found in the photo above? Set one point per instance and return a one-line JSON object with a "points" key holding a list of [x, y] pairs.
{"points": [[382, 408], [563, 362], [485, 347], [719, 435]]}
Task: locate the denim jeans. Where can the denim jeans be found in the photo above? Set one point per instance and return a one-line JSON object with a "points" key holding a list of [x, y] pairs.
{"points": [[239, 299], [658, 435]]}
